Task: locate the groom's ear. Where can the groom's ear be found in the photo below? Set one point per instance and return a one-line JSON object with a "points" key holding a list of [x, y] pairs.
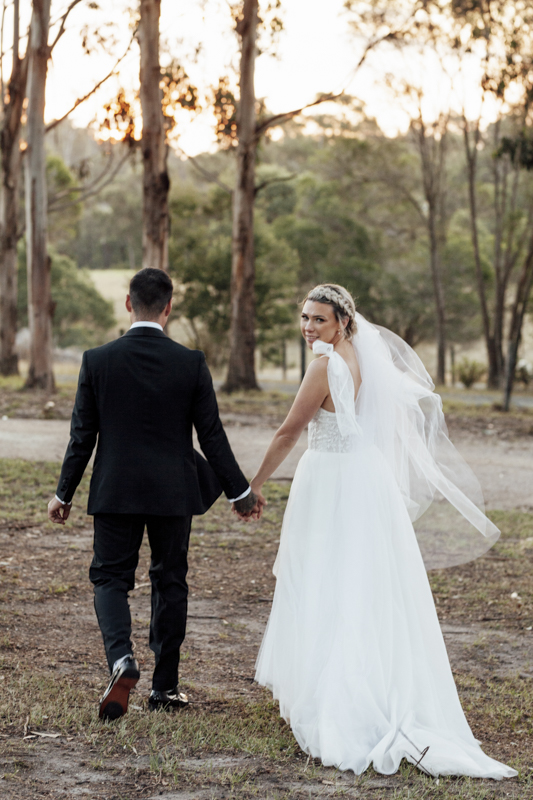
{"points": [[129, 306], [168, 307]]}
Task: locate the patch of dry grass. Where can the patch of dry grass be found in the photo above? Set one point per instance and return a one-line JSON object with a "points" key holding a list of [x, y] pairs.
{"points": [[497, 588], [231, 743]]}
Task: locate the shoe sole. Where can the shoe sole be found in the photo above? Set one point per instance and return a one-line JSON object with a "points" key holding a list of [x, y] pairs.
{"points": [[115, 704]]}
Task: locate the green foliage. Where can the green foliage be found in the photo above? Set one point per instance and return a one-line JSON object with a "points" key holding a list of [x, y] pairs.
{"points": [[63, 205], [81, 316], [469, 372], [200, 258], [345, 205], [110, 229]]}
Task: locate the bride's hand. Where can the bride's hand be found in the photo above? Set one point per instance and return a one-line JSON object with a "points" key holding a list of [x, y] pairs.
{"points": [[257, 489]]}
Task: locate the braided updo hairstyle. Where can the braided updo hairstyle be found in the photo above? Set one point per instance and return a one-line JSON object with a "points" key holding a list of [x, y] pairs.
{"points": [[341, 301]]}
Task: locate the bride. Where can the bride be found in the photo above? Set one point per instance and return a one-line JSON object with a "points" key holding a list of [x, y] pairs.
{"points": [[353, 649]]}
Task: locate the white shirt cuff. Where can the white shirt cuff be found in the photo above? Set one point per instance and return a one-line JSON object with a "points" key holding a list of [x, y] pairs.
{"points": [[241, 496], [63, 502]]}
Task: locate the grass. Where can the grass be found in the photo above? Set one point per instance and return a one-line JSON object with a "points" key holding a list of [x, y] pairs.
{"points": [[461, 405], [227, 744], [482, 590], [220, 742], [27, 486], [263, 403], [46, 703]]}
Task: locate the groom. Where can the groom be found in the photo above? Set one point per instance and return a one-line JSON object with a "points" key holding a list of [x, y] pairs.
{"points": [[139, 398]]}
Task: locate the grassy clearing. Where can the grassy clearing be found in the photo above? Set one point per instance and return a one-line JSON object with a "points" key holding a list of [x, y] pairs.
{"points": [[497, 588], [271, 406], [231, 743], [265, 404], [462, 405], [214, 725], [27, 486], [16, 402]]}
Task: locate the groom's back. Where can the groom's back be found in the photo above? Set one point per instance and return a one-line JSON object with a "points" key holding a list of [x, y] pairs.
{"points": [[146, 391]]}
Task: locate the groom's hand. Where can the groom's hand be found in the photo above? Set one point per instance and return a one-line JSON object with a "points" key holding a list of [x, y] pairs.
{"points": [[249, 507], [58, 511]]}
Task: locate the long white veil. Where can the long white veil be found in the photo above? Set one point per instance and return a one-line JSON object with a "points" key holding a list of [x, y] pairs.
{"points": [[401, 415]]}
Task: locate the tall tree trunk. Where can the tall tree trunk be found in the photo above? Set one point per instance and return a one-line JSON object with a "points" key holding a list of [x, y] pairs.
{"points": [[433, 153], [241, 369], [156, 182], [518, 312], [11, 163], [40, 306], [438, 291], [490, 343]]}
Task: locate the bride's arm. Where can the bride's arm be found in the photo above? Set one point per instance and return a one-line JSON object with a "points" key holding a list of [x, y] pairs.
{"points": [[312, 393]]}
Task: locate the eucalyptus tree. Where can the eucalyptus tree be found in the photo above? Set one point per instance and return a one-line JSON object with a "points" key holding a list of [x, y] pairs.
{"points": [[12, 101], [156, 182], [500, 32], [239, 123], [40, 306]]}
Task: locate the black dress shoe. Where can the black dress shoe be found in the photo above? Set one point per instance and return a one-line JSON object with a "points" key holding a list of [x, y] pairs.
{"points": [[114, 703], [167, 701]]}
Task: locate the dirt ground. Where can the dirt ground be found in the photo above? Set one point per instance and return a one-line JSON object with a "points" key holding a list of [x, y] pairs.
{"points": [[231, 743], [503, 463]]}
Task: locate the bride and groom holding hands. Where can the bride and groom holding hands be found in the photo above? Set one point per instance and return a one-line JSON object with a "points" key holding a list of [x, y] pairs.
{"points": [[353, 650]]}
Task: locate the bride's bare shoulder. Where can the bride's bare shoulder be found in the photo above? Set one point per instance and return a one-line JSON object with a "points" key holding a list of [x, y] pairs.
{"points": [[317, 368]]}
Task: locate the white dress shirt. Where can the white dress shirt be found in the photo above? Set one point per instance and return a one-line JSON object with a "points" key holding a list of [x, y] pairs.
{"points": [[148, 324]]}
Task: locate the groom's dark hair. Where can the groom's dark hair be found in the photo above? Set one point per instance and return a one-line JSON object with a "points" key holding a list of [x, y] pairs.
{"points": [[150, 291]]}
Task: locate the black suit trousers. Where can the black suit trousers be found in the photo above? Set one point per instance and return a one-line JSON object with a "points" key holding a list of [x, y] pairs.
{"points": [[117, 540]]}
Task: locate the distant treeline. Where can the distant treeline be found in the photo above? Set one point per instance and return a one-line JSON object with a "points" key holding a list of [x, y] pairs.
{"points": [[345, 205]]}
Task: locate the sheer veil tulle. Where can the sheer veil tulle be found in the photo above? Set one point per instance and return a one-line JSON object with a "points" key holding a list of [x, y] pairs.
{"points": [[401, 415]]}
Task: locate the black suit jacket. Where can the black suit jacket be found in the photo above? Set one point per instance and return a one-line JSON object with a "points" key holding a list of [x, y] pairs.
{"points": [[140, 396]]}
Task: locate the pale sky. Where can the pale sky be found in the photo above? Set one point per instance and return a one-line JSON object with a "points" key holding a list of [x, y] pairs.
{"points": [[316, 53]]}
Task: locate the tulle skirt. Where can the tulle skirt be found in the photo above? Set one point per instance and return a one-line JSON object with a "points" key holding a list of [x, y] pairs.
{"points": [[353, 649]]}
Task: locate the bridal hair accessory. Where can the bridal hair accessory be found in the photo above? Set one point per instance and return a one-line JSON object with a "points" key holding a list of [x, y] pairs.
{"points": [[341, 300]]}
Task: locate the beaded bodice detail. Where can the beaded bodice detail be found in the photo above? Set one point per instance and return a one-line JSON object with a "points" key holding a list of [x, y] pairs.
{"points": [[324, 434]]}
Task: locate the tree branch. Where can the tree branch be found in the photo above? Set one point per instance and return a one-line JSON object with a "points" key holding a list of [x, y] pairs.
{"points": [[279, 119], [61, 30], [273, 180], [89, 193], [206, 173], [95, 88], [86, 188]]}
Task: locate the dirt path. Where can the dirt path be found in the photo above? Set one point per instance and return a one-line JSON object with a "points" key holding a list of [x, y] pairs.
{"points": [[503, 466]]}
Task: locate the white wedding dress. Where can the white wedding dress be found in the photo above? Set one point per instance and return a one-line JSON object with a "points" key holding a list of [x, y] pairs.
{"points": [[353, 649]]}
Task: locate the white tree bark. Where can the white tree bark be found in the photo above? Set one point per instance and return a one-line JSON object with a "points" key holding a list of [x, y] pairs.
{"points": [[156, 182], [11, 165], [40, 306]]}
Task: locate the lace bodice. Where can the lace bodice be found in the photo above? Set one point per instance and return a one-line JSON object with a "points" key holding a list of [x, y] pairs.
{"points": [[324, 434]]}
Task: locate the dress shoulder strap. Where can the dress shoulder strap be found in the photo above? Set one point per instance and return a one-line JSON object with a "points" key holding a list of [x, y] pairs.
{"points": [[341, 387]]}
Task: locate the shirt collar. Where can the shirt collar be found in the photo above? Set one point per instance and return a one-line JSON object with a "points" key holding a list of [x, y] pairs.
{"points": [[147, 324]]}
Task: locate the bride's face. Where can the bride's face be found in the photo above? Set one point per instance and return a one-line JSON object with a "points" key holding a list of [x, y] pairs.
{"points": [[318, 322]]}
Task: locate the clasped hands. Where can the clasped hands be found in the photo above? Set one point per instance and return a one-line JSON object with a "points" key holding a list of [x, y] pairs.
{"points": [[251, 506]]}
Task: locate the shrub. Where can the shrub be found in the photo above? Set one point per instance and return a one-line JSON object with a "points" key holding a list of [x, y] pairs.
{"points": [[470, 372]]}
